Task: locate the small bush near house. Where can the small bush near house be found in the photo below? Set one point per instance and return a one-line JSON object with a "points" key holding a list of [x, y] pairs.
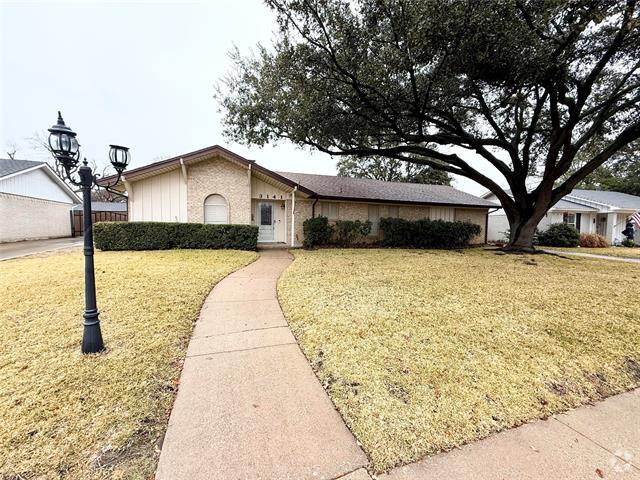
{"points": [[559, 235], [347, 232], [166, 236], [317, 231], [627, 242], [398, 232], [593, 240]]}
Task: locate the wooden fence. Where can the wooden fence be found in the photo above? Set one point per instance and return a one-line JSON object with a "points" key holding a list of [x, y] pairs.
{"points": [[77, 223]]}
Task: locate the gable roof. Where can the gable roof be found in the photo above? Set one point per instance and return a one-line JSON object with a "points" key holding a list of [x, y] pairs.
{"points": [[9, 166], [196, 156], [615, 199], [347, 188], [564, 204], [322, 186], [619, 200]]}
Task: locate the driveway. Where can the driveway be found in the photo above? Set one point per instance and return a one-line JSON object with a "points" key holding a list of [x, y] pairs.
{"points": [[31, 247]]}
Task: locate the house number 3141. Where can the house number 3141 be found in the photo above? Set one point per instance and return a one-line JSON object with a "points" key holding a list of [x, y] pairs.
{"points": [[272, 196]]}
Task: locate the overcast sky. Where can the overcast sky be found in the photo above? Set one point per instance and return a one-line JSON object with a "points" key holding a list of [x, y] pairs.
{"points": [[139, 74]]}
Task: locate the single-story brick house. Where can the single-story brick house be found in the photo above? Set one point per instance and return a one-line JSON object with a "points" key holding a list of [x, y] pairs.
{"points": [[589, 211], [215, 185]]}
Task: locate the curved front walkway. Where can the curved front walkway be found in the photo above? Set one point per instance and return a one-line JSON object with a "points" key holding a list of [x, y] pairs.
{"points": [[249, 406]]}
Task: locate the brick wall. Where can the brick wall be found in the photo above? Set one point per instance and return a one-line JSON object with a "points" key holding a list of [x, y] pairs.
{"points": [[414, 212], [26, 218], [225, 178], [302, 212]]}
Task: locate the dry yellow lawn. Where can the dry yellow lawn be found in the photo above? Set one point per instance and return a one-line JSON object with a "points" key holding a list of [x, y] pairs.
{"points": [[64, 415], [422, 351], [623, 252]]}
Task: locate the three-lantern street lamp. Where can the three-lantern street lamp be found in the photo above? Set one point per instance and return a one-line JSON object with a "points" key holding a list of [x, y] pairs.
{"points": [[66, 150]]}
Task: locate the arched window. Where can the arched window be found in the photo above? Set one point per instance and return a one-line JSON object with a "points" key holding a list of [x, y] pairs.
{"points": [[216, 209]]}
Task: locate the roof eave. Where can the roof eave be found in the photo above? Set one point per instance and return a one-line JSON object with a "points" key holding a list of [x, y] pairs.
{"points": [[201, 154], [400, 202]]}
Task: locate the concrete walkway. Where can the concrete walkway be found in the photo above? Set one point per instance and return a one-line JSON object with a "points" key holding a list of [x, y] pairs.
{"points": [[593, 255], [31, 247], [249, 406], [593, 442]]}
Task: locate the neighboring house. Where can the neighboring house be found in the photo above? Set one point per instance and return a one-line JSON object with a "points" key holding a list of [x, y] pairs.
{"points": [[214, 185], [589, 211], [34, 201], [100, 212]]}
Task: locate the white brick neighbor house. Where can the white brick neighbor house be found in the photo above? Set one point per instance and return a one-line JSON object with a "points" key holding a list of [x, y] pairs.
{"points": [[589, 211], [215, 185], [34, 202]]}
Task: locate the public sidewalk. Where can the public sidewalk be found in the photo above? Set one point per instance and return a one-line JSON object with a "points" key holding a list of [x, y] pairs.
{"points": [[249, 406], [591, 442], [594, 255]]}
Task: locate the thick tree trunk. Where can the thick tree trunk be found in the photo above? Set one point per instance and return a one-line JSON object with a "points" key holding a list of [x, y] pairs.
{"points": [[522, 228], [521, 236]]}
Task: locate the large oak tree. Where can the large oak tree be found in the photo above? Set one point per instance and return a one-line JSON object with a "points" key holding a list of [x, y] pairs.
{"points": [[527, 87]]}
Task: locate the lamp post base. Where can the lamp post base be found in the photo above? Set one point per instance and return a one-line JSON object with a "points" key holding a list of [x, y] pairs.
{"points": [[92, 336]]}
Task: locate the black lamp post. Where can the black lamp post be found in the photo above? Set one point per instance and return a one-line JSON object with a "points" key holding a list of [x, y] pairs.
{"points": [[65, 149]]}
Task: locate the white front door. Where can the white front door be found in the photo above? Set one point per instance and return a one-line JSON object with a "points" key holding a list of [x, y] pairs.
{"points": [[266, 222]]}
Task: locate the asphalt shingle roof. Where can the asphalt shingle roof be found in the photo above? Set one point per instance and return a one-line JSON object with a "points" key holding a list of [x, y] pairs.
{"points": [[564, 204], [367, 189], [615, 199], [9, 166]]}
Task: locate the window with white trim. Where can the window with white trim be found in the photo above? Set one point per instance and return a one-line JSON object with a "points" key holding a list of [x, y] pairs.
{"points": [[216, 209], [572, 219], [329, 210]]}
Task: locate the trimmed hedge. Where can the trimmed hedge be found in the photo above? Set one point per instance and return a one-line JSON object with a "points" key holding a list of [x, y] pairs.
{"points": [[398, 232], [317, 231], [169, 235], [559, 235], [347, 232]]}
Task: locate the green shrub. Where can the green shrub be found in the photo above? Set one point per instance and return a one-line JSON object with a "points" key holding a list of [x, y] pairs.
{"points": [[398, 232], [169, 235], [347, 232], [559, 235], [627, 242], [317, 231]]}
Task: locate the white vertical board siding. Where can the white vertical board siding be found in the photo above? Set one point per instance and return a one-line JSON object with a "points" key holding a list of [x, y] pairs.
{"points": [[587, 224], [447, 214], [161, 198], [265, 191], [35, 184], [618, 227]]}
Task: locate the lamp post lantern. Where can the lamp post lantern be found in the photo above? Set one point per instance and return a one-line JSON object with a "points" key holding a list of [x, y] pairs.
{"points": [[66, 151]]}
